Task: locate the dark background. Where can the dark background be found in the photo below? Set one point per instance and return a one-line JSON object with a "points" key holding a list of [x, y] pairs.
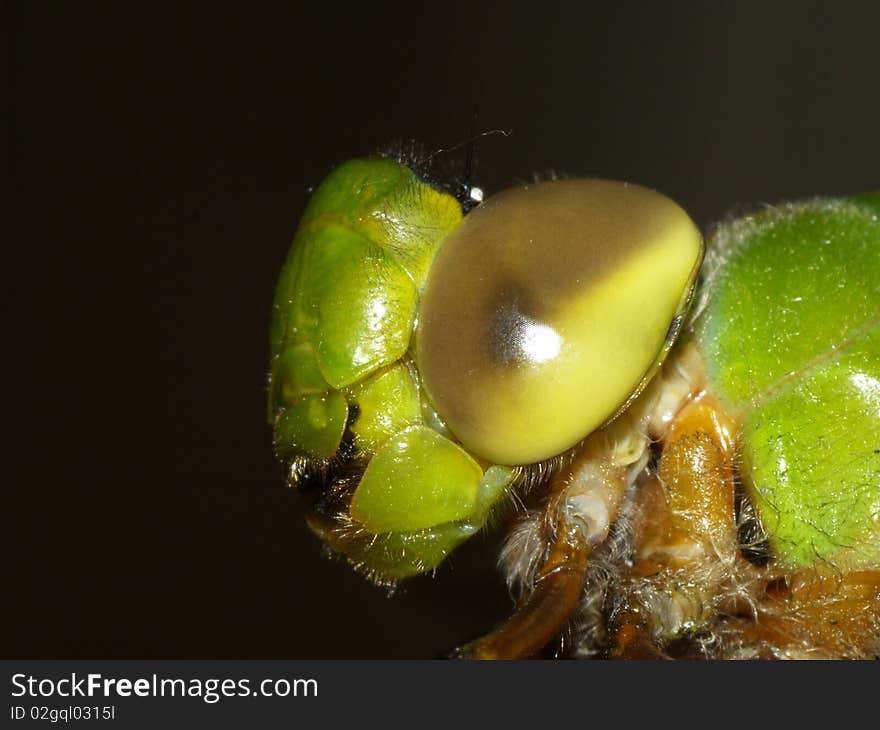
{"points": [[160, 159]]}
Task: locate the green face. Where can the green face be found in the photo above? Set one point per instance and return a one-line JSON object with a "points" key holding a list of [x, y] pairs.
{"points": [[419, 359], [790, 331]]}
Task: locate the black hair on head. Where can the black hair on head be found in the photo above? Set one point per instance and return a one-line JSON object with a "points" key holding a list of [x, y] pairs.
{"points": [[450, 169]]}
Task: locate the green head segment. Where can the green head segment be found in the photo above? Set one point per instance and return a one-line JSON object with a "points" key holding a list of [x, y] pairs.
{"points": [[437, 353]]}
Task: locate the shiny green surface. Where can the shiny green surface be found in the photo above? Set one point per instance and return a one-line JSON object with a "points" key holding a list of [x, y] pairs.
{"points": [[346, 297], [312, 424], [790, 337], [812, 453], [417, 479], [387, 402], [397, 555], [796, 283], [363, 304]]}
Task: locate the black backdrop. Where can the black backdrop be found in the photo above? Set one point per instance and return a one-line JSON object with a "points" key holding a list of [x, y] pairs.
{"points": [[160, 158]]}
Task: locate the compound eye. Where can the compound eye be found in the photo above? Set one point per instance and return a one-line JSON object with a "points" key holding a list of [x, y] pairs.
{"points": [[548, 308]]}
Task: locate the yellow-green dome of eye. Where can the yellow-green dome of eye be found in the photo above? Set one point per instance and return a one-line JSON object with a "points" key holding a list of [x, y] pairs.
{"points": [[548, 308]]}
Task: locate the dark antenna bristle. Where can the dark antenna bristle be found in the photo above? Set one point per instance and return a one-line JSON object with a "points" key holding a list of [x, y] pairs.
{"points": [[468, 194], [467, 199], [412, 155], [459, 145]]}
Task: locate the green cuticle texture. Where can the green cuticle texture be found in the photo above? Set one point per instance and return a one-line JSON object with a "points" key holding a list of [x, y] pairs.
{"points": [[312, 425], [386, 402], [791, 338], [401, 554], [346, 299], [417, 479]]}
